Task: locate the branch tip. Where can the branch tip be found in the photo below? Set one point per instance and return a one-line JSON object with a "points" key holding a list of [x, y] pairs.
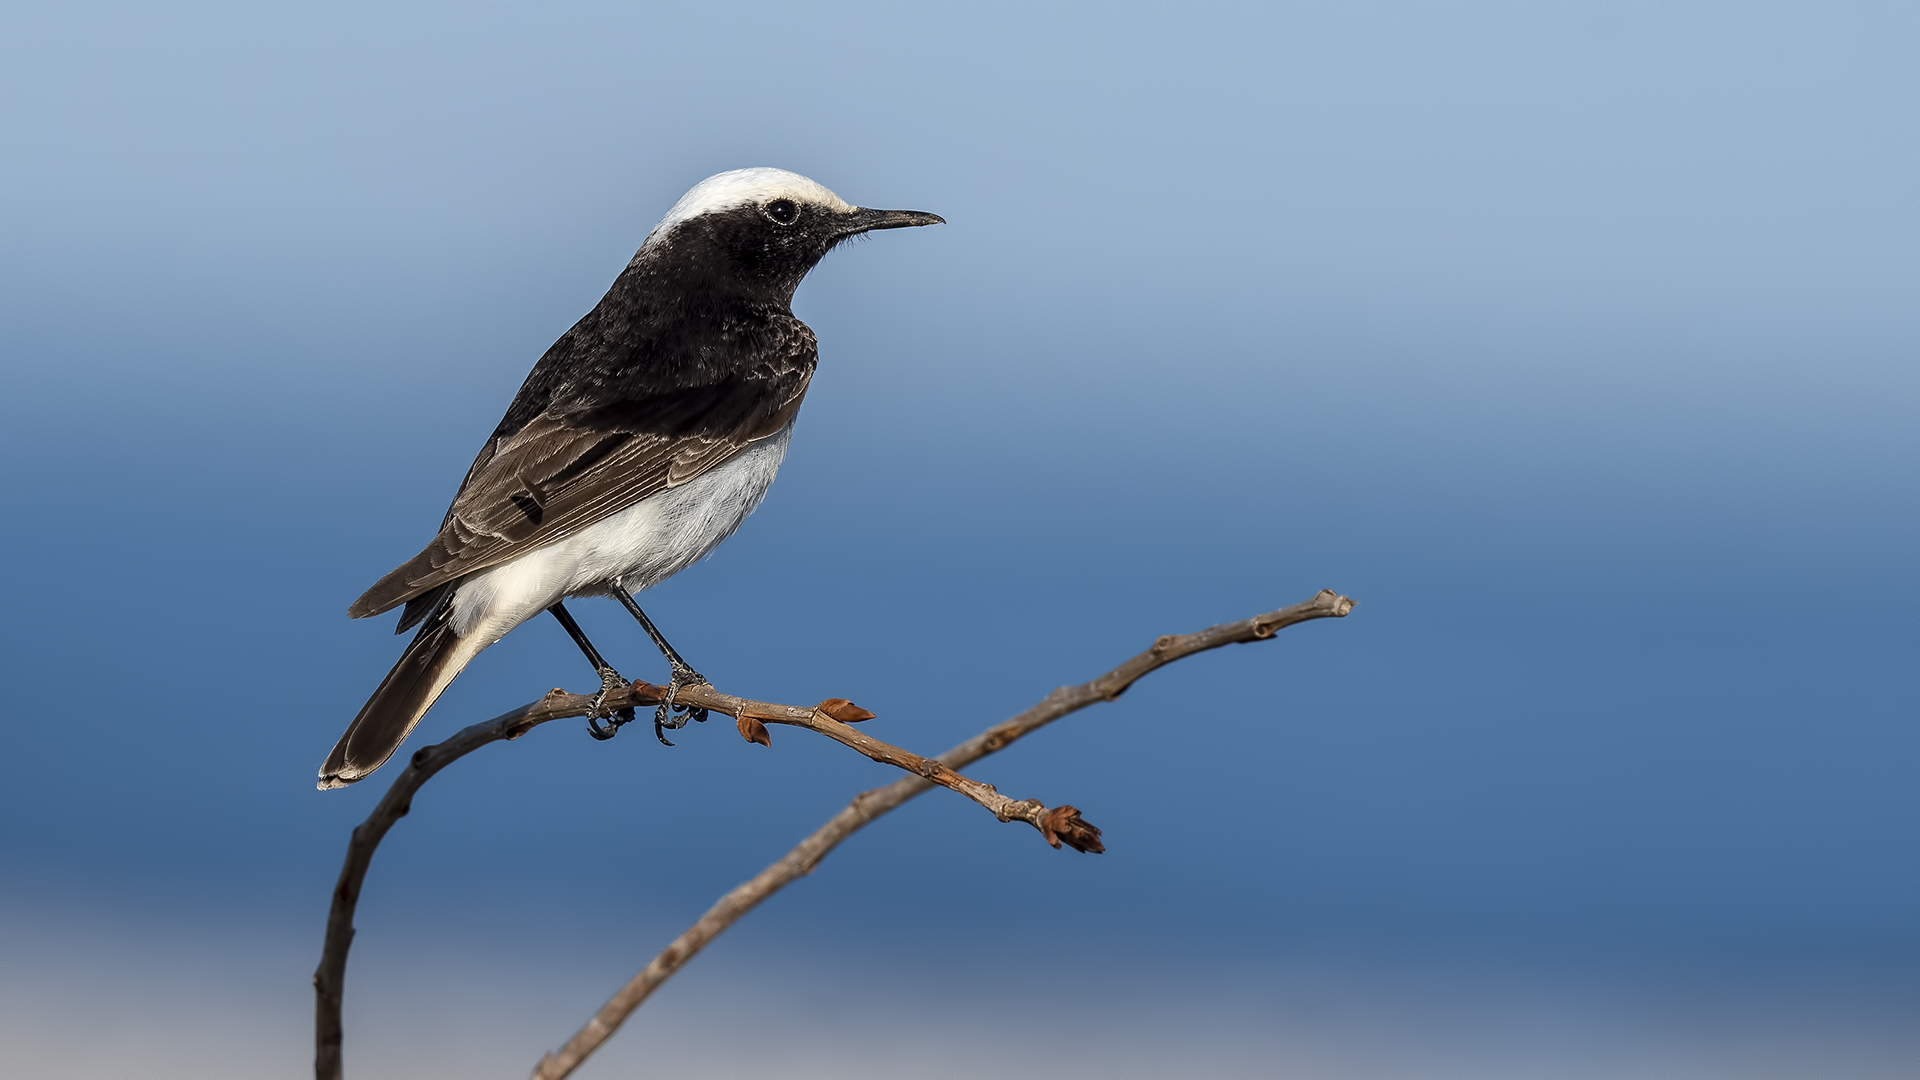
{"points": [[1063, 824]]}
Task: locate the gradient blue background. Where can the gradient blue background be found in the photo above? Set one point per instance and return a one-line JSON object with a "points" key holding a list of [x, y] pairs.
{"points": [[1577, 341]]}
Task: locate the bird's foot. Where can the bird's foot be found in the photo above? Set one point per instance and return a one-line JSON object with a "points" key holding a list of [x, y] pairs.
{"points": [[675, 717], [610, 681]]}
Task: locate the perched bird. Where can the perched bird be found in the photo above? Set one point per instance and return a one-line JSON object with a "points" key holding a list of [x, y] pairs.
{"points": [[642, 439]]}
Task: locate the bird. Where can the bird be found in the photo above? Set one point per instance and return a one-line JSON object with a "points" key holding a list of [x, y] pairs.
{"points": [[640, 440]]}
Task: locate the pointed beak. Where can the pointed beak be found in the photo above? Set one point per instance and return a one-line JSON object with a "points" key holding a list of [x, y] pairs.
{"points": [[865, 220]]}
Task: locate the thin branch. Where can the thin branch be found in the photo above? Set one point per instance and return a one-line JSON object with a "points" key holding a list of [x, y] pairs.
{"points": [[1060, 824], [872, 804], [329, 979]]}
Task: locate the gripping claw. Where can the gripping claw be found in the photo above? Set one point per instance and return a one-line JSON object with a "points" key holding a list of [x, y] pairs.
{"points": [[671, 717], [610, 681]]}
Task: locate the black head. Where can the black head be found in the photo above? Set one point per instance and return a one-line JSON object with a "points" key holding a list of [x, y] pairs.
{"points": [[757, 232]]}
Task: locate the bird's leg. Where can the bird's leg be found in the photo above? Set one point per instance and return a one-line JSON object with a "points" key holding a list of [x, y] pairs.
{"points": [[610, 679], [668, 715]]}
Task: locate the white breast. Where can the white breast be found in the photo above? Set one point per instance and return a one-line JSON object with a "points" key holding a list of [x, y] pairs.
{"points": [[639, 547]]}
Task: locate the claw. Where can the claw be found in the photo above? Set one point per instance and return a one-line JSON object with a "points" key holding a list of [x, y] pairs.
{"points": [[610, 681], [672, 717], [624, 716]]}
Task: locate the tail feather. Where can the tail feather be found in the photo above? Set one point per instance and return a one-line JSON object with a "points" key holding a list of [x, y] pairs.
{"points": [[432, 659]]}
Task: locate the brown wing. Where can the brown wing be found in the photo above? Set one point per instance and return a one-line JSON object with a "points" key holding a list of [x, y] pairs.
{"points": [[568, 469]]}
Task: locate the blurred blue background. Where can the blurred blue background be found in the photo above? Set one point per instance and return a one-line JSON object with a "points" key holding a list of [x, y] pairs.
{"points": [[1576, 341]]}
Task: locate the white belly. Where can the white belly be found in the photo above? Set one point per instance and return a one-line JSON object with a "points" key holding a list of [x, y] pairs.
{"points": [[639, 547]]}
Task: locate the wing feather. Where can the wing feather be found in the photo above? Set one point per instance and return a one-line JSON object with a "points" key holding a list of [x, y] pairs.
{"points": [[570, 467]]}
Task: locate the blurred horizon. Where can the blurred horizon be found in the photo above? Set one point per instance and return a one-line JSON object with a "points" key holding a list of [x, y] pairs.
{"points": [[1576, 342]]}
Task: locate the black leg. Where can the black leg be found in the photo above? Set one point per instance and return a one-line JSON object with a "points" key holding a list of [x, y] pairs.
{"points": [[683, 675], [610, 679]]}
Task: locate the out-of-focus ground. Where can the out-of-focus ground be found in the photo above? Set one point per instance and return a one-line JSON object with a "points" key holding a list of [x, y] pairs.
{"points": [[97, 1000]]}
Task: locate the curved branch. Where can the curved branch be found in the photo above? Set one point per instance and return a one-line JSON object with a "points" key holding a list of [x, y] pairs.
{"points": [[1057, 825], [330, 977], [872, 804]]}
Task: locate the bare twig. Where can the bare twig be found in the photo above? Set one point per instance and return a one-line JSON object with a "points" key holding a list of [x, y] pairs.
{"points": [[329, 978], [872, 804], [1060, 824]]}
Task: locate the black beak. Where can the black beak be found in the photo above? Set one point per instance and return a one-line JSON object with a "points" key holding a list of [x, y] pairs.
{"points": [[865, 220]]}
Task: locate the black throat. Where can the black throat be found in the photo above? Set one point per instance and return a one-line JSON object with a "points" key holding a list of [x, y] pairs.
{"points": [[695, 308]]}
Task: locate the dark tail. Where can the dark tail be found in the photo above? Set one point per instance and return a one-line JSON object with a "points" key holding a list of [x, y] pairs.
{"points": [[434, 656]]}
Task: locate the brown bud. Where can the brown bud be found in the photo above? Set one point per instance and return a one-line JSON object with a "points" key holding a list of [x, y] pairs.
{"points": [[753, 730], [844, 711], [1064, 824]]}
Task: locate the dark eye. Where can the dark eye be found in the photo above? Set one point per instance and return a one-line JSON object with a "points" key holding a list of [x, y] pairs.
{"points": [[783, 211]]}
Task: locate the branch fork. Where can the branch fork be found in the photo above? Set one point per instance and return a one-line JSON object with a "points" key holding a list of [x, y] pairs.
{"points": [[832, 717]]}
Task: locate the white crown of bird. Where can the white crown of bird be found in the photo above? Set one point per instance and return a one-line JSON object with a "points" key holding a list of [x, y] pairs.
{"points": [[744, 187]]}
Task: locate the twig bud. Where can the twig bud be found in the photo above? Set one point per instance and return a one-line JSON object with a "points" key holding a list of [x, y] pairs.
{"points": [[844, 711], [1063, 824], [753, 731]]}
